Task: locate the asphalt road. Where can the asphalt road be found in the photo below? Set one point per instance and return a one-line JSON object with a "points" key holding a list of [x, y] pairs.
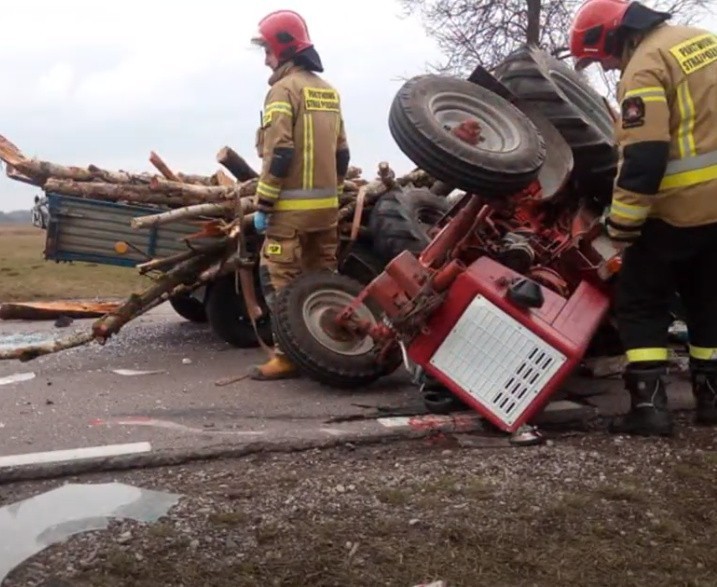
{"points": [[85, 397], [76, 399]]}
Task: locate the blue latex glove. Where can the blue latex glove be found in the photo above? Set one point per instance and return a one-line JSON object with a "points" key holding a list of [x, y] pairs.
{"points": [[260, 221]]}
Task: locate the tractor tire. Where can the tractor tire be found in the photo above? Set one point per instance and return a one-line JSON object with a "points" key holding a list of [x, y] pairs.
{"points": [[361, 264], [344, 362], [507, 159], [228, 317], [575, 109], [189, 308], [401, 221]]}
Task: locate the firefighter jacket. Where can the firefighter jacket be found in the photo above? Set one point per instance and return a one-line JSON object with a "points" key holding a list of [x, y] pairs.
{"points": [[667, 133], [302, 143]]}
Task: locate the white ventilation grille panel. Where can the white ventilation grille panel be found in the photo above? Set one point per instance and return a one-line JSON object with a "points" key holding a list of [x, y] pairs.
{"points": [[497, 360]]}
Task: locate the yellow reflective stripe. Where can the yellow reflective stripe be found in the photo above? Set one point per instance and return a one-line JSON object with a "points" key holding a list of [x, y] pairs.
{"points": [[703, 353], [685, 135], [647, 354], [629, 211], [648, 94], [311, 204], [688, 178], [267, 191], [308, 178], [277, 108]]}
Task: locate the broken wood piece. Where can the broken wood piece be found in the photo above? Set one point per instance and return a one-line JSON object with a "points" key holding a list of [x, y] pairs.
{"points": [[229, 380], [236, 164], [32, 351], [162, 167], [50, 310]]}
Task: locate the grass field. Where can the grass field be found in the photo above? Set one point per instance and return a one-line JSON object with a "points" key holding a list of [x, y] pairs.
{"points": [[26, 276]]}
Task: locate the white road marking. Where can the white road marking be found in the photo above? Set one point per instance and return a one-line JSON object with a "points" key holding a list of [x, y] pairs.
{"points": [[74, 454], [16, 378]]}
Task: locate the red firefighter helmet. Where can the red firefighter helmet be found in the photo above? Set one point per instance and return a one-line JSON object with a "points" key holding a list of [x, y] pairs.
{"points": [[593, 33], [285, 33]]}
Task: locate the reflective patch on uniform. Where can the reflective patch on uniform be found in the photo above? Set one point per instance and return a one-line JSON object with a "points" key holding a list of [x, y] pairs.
{"points": [[321, 99], [273, 249], [696, 53], [633, 112]]}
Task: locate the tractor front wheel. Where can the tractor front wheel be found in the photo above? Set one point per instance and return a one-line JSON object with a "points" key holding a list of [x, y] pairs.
{"points": [[306, 331]]}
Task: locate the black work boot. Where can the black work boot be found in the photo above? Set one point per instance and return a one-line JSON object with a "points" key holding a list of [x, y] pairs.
{"points": [[648, 415], [704, 388]]}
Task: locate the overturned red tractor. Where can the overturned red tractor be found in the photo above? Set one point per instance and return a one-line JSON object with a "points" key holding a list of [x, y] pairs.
{"points": [[506, 299]]}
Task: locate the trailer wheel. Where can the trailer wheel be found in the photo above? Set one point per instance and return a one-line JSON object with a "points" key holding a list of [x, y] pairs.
{"points": [[401, 221], [189, 308], [302, 320], [575, 109], [428, 107], [228, 317]]}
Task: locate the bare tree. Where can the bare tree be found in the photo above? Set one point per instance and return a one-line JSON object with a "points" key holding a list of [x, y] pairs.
{"points": [[473, 32]]}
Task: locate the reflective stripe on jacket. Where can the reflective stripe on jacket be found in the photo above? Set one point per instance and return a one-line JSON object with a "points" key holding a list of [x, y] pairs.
{"points": [[301, 134], [667, 132]]}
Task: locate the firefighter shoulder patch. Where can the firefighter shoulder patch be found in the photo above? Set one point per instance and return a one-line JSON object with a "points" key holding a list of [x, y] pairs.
{"points": [[633, 112]]}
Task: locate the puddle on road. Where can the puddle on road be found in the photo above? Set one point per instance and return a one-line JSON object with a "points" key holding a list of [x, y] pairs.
{"points": [[31, 525]]}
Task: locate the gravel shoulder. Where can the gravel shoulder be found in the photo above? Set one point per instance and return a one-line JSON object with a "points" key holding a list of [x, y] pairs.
{"points": [[585, 509]]}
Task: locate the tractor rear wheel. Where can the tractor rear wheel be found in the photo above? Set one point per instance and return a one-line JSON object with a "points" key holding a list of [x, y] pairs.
{"points": [[575, 109], [303, 321], [507, 156], [401, 221]]}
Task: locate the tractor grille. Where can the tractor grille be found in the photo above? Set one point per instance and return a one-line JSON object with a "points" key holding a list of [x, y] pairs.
{"points": [[497, 360]]}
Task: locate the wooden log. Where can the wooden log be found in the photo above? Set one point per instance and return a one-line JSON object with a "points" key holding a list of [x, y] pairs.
{"points": [[221, 178], [162, 167], [208, 193], [13, 173], [221, 209], [30, 352], [194, 179], [9, 153], [118, 193], [184, 273], [236, 164]]}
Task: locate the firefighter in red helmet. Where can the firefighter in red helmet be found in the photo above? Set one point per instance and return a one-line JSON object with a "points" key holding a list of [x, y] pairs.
{"points": [[664, 206], [305, 156]]}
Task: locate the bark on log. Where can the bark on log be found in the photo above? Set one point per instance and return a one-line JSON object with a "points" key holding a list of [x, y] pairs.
{"points": [[236, 164], [13, 173], [135, 194], [9, 152], [215, 193], [222, 209], [161, 166], [221, 178]]}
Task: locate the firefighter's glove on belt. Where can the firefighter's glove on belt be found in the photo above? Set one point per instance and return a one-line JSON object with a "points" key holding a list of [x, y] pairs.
{"points": [[260, 221]]}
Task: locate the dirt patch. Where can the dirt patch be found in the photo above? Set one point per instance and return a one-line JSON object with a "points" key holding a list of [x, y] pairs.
{"points": [[585, 510], [33, 278]]}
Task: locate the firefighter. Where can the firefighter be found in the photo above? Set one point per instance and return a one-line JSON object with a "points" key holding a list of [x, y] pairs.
{"points": [[663, 215], [305, 157]]}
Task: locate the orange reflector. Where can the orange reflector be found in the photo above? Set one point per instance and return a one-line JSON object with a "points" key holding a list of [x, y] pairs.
{"points": [[614, 265], [121, 247]]}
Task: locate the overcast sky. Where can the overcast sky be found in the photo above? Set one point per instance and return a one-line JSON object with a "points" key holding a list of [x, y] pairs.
{"points": [[107, 82]]}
